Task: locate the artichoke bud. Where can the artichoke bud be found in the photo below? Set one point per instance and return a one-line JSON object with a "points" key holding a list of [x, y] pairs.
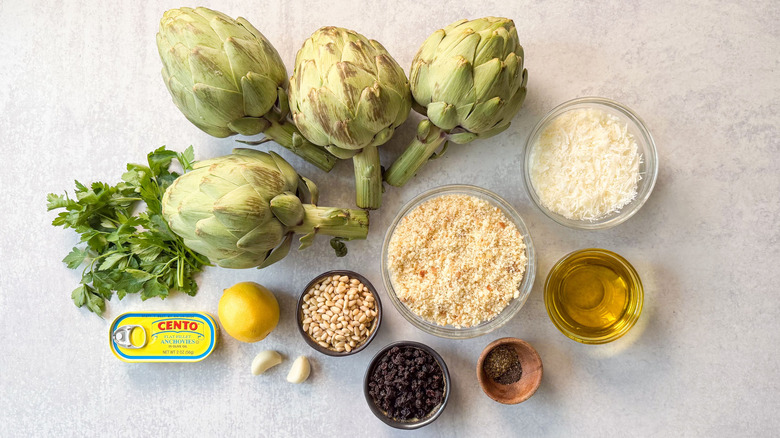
{"points": [[218, 69], [240, 210], [288, 209], [345, 90], [470, 75]]}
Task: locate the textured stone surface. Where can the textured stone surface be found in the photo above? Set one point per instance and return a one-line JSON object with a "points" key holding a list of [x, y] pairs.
{"points": [[81, 96]]}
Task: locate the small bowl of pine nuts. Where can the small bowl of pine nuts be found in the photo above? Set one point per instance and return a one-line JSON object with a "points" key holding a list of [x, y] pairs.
{"points": [[339, 313]]}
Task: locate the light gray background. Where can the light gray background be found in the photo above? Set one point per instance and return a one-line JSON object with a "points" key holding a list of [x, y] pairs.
{"points": [[81, 96]]}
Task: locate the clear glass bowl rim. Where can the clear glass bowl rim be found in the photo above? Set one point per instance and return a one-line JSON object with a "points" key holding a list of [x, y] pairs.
{"points": [[649, 152], [509, 311]]}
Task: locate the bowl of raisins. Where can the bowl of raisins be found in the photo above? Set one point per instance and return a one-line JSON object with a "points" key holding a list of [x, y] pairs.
{"points": [[407, 385]]}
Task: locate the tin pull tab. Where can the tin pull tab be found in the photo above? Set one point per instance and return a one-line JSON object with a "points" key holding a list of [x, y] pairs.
{"points": [[122, 336]]}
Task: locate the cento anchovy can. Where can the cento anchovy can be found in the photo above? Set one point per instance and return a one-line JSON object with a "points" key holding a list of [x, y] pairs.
{"points": [[163, 336]]}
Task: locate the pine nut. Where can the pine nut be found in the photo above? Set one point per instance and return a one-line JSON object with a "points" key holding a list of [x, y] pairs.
{"points": [[337, 311]]}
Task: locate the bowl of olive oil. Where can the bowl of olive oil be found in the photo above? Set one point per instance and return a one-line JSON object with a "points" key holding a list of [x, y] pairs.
{"points": [[593, 296]]}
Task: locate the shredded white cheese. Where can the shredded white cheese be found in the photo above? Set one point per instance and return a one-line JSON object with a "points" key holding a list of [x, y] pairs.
{"points": [[585, 165]]}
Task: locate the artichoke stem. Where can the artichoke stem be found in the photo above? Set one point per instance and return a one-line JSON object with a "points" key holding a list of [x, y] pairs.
{"points": [[349, 224], [368, 178], [282, 133], [415, 156]]}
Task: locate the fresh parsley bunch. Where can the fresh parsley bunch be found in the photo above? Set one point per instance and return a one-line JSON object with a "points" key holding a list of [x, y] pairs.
{"points": [[124, 251]]}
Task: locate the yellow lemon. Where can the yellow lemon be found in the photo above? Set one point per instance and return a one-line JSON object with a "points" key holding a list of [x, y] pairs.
{"points": [[248, 311]]}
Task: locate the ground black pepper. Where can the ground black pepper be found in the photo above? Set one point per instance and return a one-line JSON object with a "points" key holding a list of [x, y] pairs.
{"points": [[502, 365], [407, 383]]}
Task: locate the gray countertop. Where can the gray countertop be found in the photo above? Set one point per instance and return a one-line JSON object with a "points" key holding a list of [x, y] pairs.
{"points": [[82, 96]]}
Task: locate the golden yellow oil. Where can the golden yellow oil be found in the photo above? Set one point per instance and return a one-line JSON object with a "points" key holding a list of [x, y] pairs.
{"points": [[593, 296]]}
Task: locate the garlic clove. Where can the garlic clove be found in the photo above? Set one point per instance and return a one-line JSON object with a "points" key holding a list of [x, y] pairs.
{"points": [[300, 370], [265, 360]]}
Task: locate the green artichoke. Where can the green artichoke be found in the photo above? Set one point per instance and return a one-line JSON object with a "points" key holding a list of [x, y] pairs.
{"points": [[468, 80], [228, 79], [348, 94], [241, 210]]}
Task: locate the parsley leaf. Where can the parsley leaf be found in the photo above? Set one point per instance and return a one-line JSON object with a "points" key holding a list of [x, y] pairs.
{"points": [[121, 251]]}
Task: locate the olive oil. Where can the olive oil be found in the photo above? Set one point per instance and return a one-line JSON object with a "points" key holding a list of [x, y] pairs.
{"points": [[593, 296]]}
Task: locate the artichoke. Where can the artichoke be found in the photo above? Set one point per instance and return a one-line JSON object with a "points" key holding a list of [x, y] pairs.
{"points": [[228, 79], [468, 80], [348, 95], [241, 210]]}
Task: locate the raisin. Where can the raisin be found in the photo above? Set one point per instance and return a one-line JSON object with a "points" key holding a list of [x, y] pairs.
{"points": [[407, 383]]}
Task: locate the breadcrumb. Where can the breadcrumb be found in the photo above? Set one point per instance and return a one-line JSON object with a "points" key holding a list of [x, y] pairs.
{"points": [[456, 260]]}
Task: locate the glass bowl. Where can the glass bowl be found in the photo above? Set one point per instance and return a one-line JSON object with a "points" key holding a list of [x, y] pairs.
{"points": [[566, 269], [509, 311], [648, 167]]}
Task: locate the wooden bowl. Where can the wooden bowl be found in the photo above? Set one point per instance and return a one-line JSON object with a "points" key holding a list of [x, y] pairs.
{"points": [[519, 391]]}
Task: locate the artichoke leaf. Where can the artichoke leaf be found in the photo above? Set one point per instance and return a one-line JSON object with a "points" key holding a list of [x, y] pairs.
{"points": [[287, 207], [375, 112], [484, 115], [241, 208], [454, 35], [288, 172], [214, 233], [356, 53], [211, 66], [457, 83], [311, 188], [259, 93], [226, 28], [467, 46], [264, 237], [489, 48], [443, 115], [487, 81], [344, 154], [462, 137], [214, 187], [441, 152], [279, 253], [493, 131], [430, 47], [307, 239], [282, 102], [252, 154], [266, 181], [249, 125], [217, 106]]}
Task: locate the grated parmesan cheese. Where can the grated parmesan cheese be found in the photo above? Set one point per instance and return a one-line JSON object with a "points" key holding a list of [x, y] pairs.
{"points": [[585, 165]]}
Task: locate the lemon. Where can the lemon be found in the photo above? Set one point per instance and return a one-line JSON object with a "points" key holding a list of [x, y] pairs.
{"points": [[248, 311]]}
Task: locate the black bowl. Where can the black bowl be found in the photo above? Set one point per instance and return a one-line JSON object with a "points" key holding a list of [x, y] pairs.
{"points": [[377, 321], [433, 415]]}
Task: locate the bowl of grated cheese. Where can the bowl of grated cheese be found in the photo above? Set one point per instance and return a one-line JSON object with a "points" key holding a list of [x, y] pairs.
{"points": [[458, 261], [590, 163]]}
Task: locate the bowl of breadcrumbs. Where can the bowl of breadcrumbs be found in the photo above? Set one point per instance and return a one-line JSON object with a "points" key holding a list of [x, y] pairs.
{"points": [[458, 261]]}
